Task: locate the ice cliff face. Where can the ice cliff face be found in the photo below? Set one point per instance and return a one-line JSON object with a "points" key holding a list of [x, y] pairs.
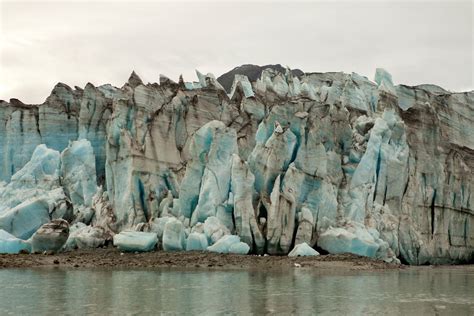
{"points": [[331, 160]]}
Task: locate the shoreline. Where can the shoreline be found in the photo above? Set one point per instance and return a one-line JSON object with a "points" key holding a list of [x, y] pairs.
{"points": [[113, 258]]}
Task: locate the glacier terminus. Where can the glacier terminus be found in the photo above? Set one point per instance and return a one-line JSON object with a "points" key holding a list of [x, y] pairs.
{"points": [[288, 164]]}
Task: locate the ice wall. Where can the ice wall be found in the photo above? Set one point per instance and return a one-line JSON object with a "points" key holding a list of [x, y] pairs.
{"points": [[332, 160]]}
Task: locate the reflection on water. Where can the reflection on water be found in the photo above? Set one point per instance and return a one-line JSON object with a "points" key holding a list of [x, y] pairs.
{"points": [[418, 291]]}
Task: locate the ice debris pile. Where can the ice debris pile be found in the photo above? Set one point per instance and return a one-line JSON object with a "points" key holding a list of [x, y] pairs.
{"points": [[281, 165]]}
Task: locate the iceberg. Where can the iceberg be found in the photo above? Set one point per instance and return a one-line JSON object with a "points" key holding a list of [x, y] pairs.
{"points": [[196, 241], [229, 244], [131, 241], [11, 244], [174, 238], [356, 240], [303, 250], [82, 236], [50, 237]]}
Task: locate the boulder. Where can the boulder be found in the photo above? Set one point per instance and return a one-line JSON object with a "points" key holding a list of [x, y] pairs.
{"points": [[50, 237]]}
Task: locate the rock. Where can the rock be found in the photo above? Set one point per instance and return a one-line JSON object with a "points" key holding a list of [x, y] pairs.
{"points": [[50, 237], [135, 241], [303, 250]]}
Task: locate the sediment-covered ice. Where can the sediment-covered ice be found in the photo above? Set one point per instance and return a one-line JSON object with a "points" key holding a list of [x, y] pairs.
{"points": [[50, 237]]}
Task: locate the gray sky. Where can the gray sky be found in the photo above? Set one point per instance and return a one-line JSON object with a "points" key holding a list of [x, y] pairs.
{"points": [[43, 43]]}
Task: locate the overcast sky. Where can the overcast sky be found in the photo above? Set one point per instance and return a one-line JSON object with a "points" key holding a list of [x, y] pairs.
{"points": [[43, 43]]}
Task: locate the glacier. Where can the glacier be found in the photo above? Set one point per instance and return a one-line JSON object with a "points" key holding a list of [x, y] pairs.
{"points": [[283, 165]]}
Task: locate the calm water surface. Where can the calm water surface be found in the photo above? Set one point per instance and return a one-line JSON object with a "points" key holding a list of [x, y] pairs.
{"points": [[417, 291]]}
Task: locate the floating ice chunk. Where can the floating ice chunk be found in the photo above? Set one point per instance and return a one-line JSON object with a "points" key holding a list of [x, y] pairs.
{"points": [[303, 250], [50, 237], [230, 244], [196, 241], [174, 238], [78, 172], [135, 241], [11, 244], [352, 239]]}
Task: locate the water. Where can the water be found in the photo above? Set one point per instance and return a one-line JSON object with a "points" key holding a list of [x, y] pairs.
{"points": [[414, 291]]}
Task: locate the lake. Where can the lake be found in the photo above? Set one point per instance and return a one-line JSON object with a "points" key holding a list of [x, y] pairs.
{"points": [[411, 291]]}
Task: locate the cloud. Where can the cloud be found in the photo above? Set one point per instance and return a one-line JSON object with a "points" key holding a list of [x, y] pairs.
{"points": [[75, 42]]}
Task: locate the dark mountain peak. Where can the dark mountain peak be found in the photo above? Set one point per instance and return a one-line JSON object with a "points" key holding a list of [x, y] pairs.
{"points": [[253, 72]]}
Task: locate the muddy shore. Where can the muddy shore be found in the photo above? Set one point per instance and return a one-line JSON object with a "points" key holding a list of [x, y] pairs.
{"points": [[113, 258]]}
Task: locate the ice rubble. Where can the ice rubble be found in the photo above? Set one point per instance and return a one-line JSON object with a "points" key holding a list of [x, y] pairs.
{"points": [[331, 160]]}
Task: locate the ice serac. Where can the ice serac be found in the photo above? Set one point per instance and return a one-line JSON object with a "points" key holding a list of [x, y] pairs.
{"points": [[206, 184], [78, 172], [329, 160], [242, 186]]}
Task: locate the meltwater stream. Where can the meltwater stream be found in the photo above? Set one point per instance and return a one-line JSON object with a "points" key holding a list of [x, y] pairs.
{"points": [[413, 291]]}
